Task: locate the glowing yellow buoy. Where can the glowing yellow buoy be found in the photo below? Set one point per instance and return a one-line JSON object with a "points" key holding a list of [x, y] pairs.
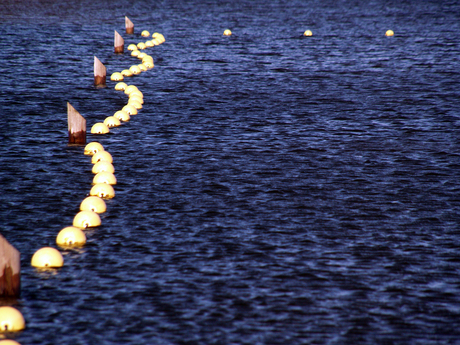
{"points": [[142, 67], [122, 115], [93, 148], [135, 53], [156, 41], [136, 93], [103, 166], [148, 64], [47, 257], [147, 58], [120, 86], [99, 128], [131, 110], [111, 121], [227, 32], [308, 33], [135, 70], [131, 88], [94, 204], [117, 76], [136, 98], [141, 45], [141, 55], [127, 73], [70, 237], [149, 44], [86, 219], [135, 104], [105, 177], [102, 190], [9, 342], [145, 33], [11, 320], [389, 33], [160, 38], [102, 156], [132, 46]]}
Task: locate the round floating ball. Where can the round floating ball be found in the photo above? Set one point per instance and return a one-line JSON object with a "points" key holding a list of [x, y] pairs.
{"points": [[86, 219], [148, 64], [156, 41], [308, 33], [11, 320], [141, 55], [142, 67], [145, 33], [141, 45], [102, 190], [147, 58], [227, 32], [117, 76], [135, 104], [131, 88], [149, 44], [9, 342], [71, 237], [136, 98], [122, 115], [136, 93], [159, 37], [111, 121], [389, 33], [93, 148], [103, 166], [94, 204], [120, 86], [132, 47], [135, 70], [105, 177], [135, 53], [102, 156], [131, 110], [99, 128], [127, 73], [47, 257]]}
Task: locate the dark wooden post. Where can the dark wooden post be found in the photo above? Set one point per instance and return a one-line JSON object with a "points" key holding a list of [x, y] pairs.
{"points": [[10, 270], [119, 43], [129, 26], [77, 126], [99, 73]]}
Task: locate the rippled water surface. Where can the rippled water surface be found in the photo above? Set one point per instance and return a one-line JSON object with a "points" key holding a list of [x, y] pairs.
{"points": [[274, 189]]}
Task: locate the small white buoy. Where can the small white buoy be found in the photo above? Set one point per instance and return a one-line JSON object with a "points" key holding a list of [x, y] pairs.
{"points": [[86, 219], [11, 320], [71, 237], [102, 156], [117, 76], [103, 166], [389, 33], [93, 148], [47, 257], [102, 190], [94, 204], [105, 177], [227, 32], [308, 33]]}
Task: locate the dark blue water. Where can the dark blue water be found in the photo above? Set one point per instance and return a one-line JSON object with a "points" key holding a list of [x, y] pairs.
{"points": [[274, 189]]}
